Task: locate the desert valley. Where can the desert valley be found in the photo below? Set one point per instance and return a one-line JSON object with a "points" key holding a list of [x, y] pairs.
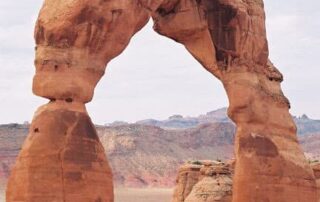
{"points": [[145, 156]]}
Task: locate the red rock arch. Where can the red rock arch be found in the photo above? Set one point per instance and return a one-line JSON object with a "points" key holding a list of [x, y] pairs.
{"points": [[62, 158]]}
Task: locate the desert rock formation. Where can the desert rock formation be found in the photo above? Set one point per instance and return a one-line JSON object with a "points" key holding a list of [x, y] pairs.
{"points": [[61, 156], [316, 169], [75, 40], [207, 181], [228, 38], [212, 181], [188, 176]]}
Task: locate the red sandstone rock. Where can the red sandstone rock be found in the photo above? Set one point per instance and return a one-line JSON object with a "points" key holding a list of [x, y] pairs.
{"points": [[316, 170], [208, 181], [61, 160], [228, 38], [188, 176], [76, 40], [211, 181]]}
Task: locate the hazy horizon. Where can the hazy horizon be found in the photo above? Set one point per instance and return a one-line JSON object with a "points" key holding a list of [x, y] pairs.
{"points": [[156, 77]]}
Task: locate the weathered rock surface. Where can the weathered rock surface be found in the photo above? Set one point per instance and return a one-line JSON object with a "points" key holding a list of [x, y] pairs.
{"points": [[60, 158], [188, 176], [76, 40], [228, 38], [63, 159], [211, 181], [207, 181], [316, 170]]}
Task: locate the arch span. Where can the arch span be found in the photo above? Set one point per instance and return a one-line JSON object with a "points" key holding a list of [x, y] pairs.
{"points": [[62, 158]]}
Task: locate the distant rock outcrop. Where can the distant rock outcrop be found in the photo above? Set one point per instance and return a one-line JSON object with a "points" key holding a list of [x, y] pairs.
{"points": [[188, 176], [305, 125], [149, 156], [180, 122], [204, 181]]}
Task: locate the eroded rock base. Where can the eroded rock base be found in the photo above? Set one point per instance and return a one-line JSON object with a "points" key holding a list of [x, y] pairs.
{"points": [[212, 181], [62, 160]]}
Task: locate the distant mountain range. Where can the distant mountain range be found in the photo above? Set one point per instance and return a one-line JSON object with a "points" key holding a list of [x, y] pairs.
{"points": [[148, 152], [305, 124]]}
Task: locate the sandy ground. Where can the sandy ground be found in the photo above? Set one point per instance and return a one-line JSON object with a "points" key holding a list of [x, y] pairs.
{"points": [[135, 195], [143, 195], [2, 196]]}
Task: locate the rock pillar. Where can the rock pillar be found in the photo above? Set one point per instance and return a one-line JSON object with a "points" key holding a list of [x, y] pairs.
{"points": [[228, 38], [62, 159]]}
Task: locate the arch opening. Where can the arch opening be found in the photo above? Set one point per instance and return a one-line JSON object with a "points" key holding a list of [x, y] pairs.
{"points": [[154, 71]]}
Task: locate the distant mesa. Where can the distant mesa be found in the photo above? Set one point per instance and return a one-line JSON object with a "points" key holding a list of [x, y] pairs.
{"points": [[174, 117], [117, 123], [304, 116], [305, 124]]}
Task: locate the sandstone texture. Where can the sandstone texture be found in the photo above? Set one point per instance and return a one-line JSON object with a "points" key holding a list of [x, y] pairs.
{"points": [[228, 38], [206, 181], [188, 176], [76, 39], [62, 159], [316, 169], [212, 181]]}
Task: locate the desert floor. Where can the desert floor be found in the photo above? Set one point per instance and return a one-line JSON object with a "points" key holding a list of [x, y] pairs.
{"points": [[143, 195], [135, 195]]}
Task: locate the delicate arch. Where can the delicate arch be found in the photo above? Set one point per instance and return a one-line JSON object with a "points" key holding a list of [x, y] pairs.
{"points": [[63, 159]]}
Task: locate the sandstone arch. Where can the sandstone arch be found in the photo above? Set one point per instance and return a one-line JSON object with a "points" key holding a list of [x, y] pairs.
{"points": [[62, 159]]}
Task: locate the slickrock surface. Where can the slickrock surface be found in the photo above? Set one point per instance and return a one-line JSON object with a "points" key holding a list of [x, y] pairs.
{"points": [[207, 181], [76, 39], [60, 158], [316, 169]]}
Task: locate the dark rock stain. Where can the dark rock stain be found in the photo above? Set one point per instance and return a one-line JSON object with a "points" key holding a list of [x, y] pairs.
{"points": [[261, 145], [85, 128], [74, 176], [222, 32]]}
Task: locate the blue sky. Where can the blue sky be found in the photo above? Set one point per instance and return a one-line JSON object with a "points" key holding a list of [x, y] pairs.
{"points": [[155, 77]]}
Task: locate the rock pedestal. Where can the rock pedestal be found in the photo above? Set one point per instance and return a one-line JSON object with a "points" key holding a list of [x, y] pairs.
{"points": [[62, 159], [228, 38]]}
